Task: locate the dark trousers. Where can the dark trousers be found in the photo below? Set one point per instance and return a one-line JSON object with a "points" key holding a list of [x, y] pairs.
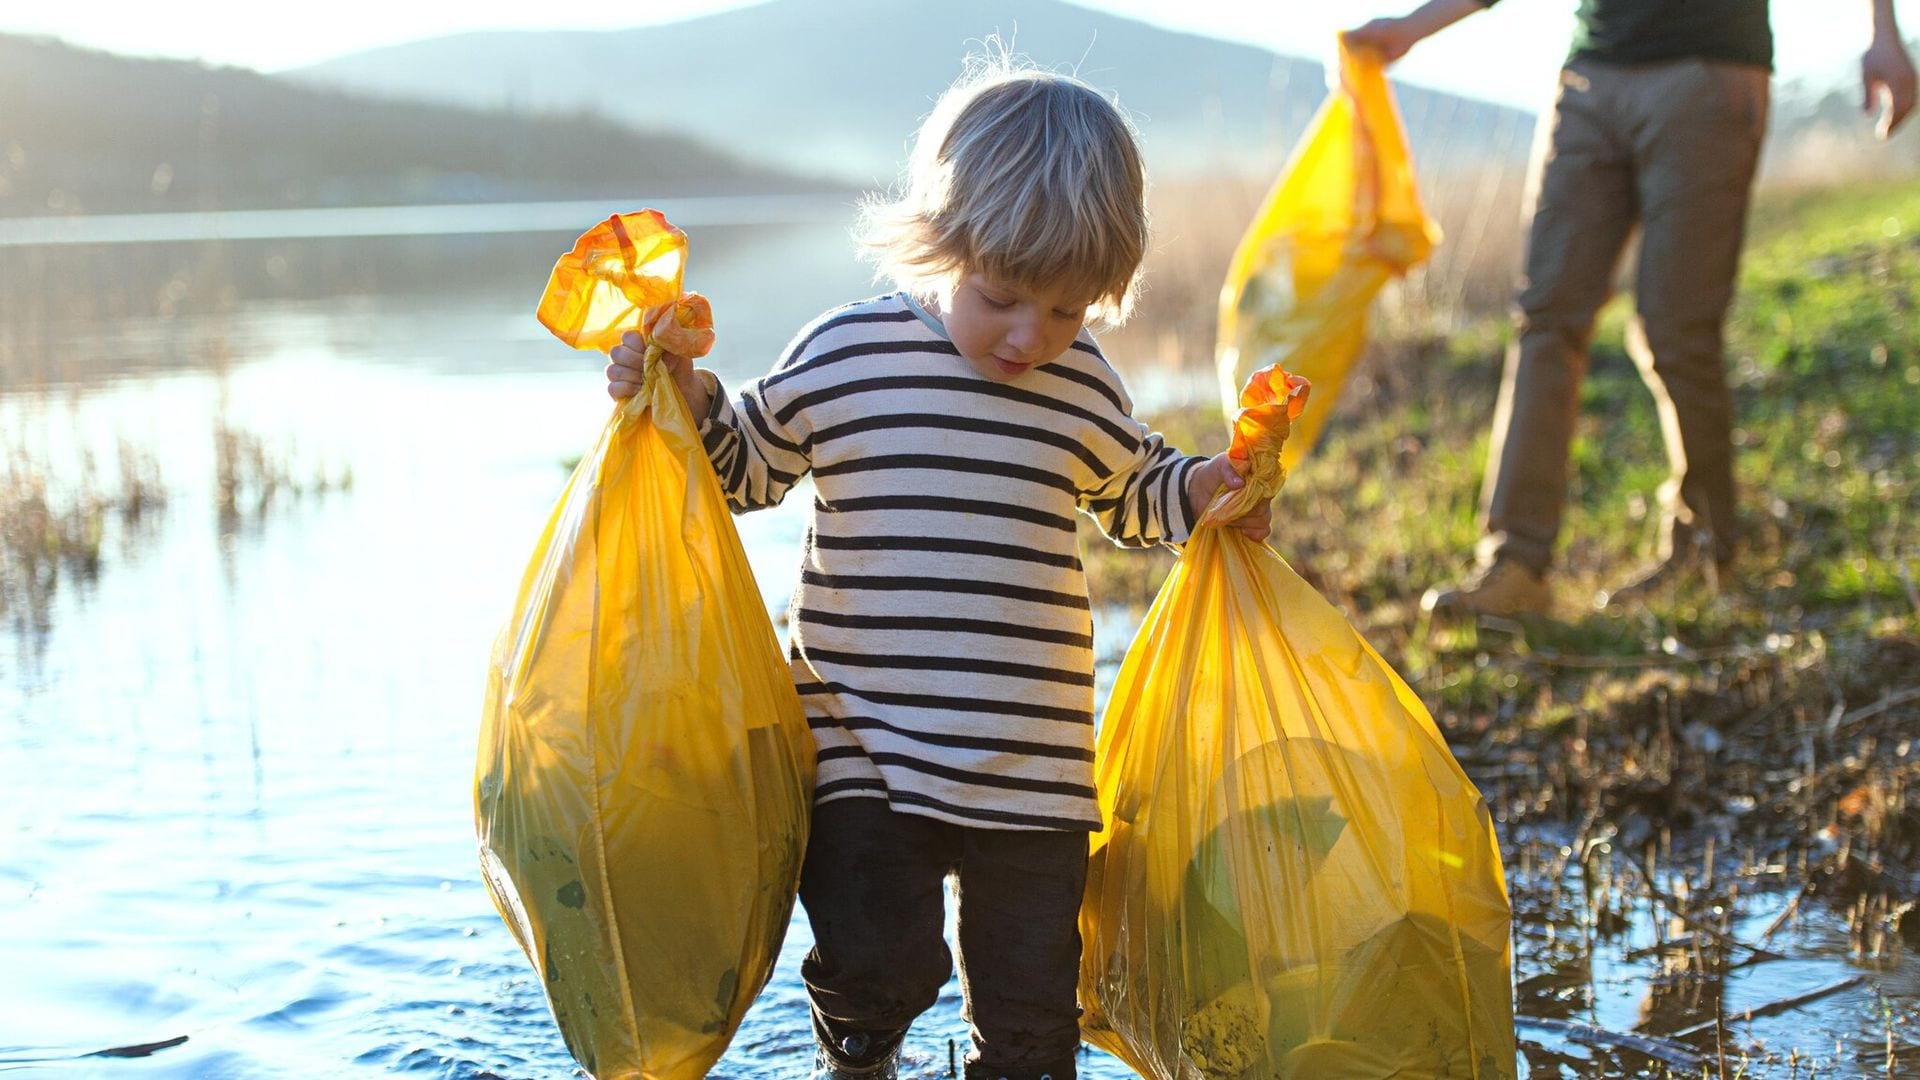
{"points": [[873, 889]]}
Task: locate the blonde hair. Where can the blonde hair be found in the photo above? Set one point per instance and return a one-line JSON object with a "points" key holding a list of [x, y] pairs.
{"points": [[1026, 176]]}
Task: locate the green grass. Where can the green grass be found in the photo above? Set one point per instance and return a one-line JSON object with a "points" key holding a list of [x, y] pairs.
{"points": [[1824, 356], [1771, 722]]}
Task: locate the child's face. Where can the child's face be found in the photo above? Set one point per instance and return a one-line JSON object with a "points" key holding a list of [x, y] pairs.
{"points": [[1005, 330]]}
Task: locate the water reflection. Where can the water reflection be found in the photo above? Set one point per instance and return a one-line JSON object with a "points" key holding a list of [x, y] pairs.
{"points": [[464, 219], [240, 809]]}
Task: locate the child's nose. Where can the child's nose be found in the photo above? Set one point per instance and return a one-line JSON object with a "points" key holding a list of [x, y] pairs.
{"points": [[1024, 335]]}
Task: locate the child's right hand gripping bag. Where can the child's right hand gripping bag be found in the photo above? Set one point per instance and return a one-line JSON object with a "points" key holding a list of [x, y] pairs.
{"points": [[645, 770], [1294, 878]]}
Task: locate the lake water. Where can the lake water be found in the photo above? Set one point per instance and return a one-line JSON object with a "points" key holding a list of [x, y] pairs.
{"points": [[239, 795], [239, 757]]}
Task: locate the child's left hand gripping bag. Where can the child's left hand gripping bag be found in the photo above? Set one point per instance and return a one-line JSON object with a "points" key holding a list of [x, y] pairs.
{"points": [[1294, 879], [645, 771]]}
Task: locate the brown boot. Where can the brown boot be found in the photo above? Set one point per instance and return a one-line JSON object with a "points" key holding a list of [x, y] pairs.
{"points": [[1504, 588], [1688, 567]]}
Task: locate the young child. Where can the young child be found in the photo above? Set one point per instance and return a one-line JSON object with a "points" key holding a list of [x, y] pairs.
{"points": [[941, 631]]}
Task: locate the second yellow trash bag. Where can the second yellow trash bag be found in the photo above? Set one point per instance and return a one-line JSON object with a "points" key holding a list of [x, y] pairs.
{"points": [[645, 770], [1343, 219], [1294, 877]]}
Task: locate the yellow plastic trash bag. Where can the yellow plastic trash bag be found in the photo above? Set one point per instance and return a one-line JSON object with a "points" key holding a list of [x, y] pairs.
{"points": [[1342, 220], [1294, 878], [645, 770]]}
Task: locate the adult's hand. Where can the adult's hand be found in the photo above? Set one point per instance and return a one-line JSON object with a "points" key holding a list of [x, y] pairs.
{"points": [[1391, 38], [1887, 81]]}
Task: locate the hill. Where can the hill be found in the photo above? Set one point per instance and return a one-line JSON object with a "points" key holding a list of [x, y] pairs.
{"points": [[87, 131], [836, 86]]}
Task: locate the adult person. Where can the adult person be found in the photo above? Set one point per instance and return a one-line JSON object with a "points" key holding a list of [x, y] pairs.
{"points": [[1659, 119]]}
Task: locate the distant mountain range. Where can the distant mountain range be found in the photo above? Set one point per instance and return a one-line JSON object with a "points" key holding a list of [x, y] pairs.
{"points": [[835, 87], [785, 96], [791, 95], [90, 132]]}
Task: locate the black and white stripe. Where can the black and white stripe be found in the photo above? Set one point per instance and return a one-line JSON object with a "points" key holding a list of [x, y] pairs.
{"points": [[942, 637]]}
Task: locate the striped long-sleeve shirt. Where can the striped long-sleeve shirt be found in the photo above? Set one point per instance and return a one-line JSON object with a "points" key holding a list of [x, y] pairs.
{"points": [[941, 635]]}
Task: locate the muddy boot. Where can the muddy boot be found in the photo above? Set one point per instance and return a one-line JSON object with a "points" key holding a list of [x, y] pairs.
{"points": [[849, 1062], [1689, 567]]}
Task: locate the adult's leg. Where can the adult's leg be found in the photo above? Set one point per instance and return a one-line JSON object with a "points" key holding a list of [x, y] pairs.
{"points": [[873, 885], [1019, 894], [1698, 130], [1583, 202]]}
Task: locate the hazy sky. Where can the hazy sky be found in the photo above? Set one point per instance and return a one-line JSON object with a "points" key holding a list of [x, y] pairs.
{"points": [[1506, 54]]}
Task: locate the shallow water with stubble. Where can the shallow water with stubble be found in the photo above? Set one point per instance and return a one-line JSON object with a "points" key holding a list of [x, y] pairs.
{"points": [[236, 831]]}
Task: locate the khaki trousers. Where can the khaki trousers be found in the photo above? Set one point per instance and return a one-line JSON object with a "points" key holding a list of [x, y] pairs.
{"points": [[1669, 147]]}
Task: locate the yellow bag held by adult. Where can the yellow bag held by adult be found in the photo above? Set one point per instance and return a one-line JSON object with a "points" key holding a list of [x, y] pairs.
{"points": [[1343, 219], [1294, 878], [645, 771]]}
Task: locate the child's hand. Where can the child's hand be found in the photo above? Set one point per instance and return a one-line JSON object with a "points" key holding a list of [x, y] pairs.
{"points": [[628, 367], [1207, 481], [627, 372], [682, 330]]}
